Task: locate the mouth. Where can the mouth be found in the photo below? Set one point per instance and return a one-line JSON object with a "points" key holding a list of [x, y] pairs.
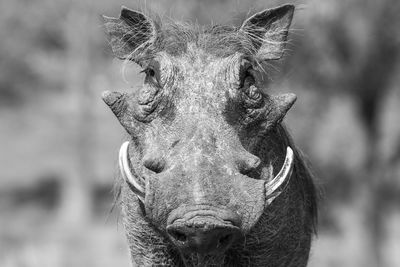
{"points": [[201, 260], [271, 188]]}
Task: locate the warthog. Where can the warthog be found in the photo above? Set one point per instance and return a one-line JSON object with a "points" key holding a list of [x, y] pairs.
{"points": [[210, 175]]}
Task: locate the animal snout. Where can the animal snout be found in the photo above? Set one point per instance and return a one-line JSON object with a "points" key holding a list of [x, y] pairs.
{"points": [[207, 239]]}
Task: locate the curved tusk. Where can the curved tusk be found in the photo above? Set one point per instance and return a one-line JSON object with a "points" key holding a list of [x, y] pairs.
{"points": [[283, 175], [126, 172]]}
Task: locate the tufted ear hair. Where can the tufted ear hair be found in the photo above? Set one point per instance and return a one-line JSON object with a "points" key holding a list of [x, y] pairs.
{"points": [[131, 34], [268, 31]]}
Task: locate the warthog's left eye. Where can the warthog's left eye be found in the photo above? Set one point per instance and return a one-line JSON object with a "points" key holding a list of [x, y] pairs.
{"points": [[247, 84], [246, 75], [251, 95]]}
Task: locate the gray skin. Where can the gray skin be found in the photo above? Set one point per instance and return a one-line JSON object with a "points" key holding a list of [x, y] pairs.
{"points": [[205, 138]]}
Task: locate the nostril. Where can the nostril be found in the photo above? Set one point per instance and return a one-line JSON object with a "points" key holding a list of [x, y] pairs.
{"points": [[178, 235], [203, 239], [154, 165], [225, 240]]}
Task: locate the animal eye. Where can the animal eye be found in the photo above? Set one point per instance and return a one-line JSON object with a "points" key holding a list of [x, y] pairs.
{"points": [[253, 93], [247, 79], [152, 73], [151, 76], [253, 98], [246, 74]]}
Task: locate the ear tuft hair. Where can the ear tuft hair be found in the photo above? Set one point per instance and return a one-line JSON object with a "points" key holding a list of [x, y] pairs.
{"points": [[131, 34], [268, 31]]}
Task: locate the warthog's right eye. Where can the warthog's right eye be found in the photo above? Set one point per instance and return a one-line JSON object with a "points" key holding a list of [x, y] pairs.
{"points": [[152, 74], [151, 77], [149, 95]]}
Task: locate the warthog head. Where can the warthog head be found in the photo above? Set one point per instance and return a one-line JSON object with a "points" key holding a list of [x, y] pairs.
{"points": [[206, 156]]}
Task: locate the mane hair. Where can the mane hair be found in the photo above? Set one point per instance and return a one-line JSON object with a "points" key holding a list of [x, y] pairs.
{"points": [[309, 191]]}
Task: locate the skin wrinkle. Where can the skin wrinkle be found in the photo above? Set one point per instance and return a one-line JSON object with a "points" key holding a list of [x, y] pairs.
{"points": [[203, 128]]}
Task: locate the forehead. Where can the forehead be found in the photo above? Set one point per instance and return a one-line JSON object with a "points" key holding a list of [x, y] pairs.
{"points": [[221, 41], [197, 60], [199, 81]]}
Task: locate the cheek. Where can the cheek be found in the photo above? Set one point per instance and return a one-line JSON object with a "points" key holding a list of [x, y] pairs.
{"points": [[158, 144], [147, 94]]}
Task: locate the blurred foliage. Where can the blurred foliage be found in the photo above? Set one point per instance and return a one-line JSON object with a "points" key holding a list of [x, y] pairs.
{"points": [[59, 142]]}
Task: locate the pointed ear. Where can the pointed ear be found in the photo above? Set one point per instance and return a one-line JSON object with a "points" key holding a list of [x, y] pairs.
{"points": [[130, 34], [268, 31]]}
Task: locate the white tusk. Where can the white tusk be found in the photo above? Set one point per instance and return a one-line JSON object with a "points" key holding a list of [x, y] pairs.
{"points": [[126, 172], [283, 175]]}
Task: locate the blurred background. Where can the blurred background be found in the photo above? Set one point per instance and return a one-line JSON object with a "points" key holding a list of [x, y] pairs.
{"points": [[59, 142]]}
